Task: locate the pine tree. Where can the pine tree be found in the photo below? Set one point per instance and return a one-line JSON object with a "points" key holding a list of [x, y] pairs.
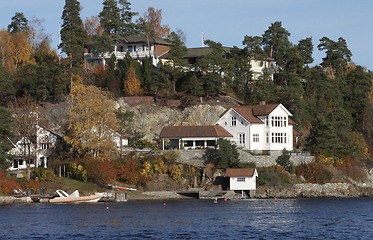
{"points": [[110, 17], [72, 33]]}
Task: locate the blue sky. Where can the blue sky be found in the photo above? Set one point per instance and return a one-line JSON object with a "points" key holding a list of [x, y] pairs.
{"points": [[228, 22]]}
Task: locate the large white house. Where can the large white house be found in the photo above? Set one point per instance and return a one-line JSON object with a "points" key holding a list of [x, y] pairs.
{"points": [[264, 127], [38, 149]]}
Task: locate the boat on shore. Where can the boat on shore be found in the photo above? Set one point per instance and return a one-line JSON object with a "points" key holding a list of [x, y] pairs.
{"points": [[74, 197]]}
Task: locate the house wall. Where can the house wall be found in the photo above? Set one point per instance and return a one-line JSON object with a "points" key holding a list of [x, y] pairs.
{"points": [[248, 184], [241, 127], [267, 138], [274, 131]]}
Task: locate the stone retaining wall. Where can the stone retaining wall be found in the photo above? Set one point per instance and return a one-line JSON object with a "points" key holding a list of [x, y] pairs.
{"points": [[195, 158], [11, 199]]}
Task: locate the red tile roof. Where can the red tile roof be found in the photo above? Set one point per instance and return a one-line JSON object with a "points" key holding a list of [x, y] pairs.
{"points": [[194, 131], [240, 172]]}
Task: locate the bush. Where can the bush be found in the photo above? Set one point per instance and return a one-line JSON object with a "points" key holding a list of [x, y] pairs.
{"points": [[284, 160], [99, 171], [272, 176], [314, 173], [7, 184], [43, 174]]}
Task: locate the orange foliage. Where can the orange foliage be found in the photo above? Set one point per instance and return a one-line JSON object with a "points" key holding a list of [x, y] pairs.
{"points": [[7, 185], [130, 172], [101, 171]]}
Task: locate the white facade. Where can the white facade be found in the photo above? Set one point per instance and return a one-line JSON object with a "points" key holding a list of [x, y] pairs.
{"points": [[243, 182], [270, 132], [39, 150]]}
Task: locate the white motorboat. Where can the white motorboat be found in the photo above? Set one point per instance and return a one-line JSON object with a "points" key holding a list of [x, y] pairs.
{"points": [[74, 197]]}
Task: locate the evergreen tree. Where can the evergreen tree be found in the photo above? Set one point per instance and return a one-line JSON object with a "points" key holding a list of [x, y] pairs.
{"points": [[72, 33], [337, 55], [126, 15], [19, 23], [110, 17]]}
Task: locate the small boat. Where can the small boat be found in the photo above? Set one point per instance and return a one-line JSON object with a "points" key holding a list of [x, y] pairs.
{"points": [[74, 197]]}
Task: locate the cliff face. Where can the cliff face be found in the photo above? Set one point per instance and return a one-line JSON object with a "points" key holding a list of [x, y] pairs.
{"points": [[149, 119]]}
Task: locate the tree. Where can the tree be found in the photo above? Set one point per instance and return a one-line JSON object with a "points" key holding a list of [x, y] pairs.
{"points": [[19, 23], [284, 160], [72, 33], [21, 53], [337, 55], [153, 19], [225, 156], [5, 133], [38, 39], [276, 43], [305, 48], [254, 47], [92, 122], [126, 15], [25, 117], [132, 84], [110, 17]]}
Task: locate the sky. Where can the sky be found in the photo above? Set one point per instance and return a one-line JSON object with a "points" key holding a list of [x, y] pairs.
{"points": [[228, 22]]}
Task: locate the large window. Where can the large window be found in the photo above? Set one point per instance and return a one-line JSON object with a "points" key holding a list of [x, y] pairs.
{"points": [[277, 121], [279, 138], [255, 137], [234, 121]]}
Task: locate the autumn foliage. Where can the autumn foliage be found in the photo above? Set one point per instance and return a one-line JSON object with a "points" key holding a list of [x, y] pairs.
{"points": [[7, 184]]}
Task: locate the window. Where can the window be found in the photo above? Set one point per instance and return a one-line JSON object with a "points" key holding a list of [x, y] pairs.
{"points": [[44, 146], [234, 119], [255, 137], [241, 139], [241, 179], [279, 138], [267, 137], [266, 121], [277, 121], [130, 49]]}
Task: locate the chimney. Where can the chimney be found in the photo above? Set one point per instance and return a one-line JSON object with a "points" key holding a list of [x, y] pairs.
{"points": [[262, 103], [184, 124]]}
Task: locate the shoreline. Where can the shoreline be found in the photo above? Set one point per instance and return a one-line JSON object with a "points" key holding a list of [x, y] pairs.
{"points": [[298, 191]]}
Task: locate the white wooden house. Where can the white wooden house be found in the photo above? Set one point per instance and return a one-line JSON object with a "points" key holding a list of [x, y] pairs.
{"points": [[136, 46], [258, 128], [242, 179], [39, 149]]}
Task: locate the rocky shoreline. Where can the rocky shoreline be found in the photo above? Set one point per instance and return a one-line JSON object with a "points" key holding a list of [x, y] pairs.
{"points": [[305, 190]]}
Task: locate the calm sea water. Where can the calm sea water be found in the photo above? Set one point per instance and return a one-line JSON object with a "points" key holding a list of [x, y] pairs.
{"points": [[192, 219]]}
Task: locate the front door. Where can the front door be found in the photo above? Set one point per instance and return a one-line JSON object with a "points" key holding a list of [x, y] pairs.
{"points": [[241, 140]]}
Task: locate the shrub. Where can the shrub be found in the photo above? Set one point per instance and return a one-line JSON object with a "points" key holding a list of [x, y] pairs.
{"points": [[284, 160], [272, 176], [43, 174], [314, 173], [7, 184], [101, 171], [130, 172], [177, 172]]}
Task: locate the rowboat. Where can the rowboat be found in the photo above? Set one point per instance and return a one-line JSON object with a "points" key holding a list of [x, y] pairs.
{"points": [[74, 197]]}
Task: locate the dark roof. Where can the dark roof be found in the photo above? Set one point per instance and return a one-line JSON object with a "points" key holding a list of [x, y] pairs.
{"points": [[240, 172], [194, 131], [201, 51], [139, 38]]}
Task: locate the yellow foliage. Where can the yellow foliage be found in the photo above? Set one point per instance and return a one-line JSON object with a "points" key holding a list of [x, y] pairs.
{"points": [[160, 167], [92, 122], [325, 160], [177, 172], [132, 84], [146, 168]]}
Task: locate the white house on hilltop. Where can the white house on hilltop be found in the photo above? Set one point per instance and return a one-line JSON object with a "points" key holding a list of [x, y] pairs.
{"points": [[258, 128]]}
